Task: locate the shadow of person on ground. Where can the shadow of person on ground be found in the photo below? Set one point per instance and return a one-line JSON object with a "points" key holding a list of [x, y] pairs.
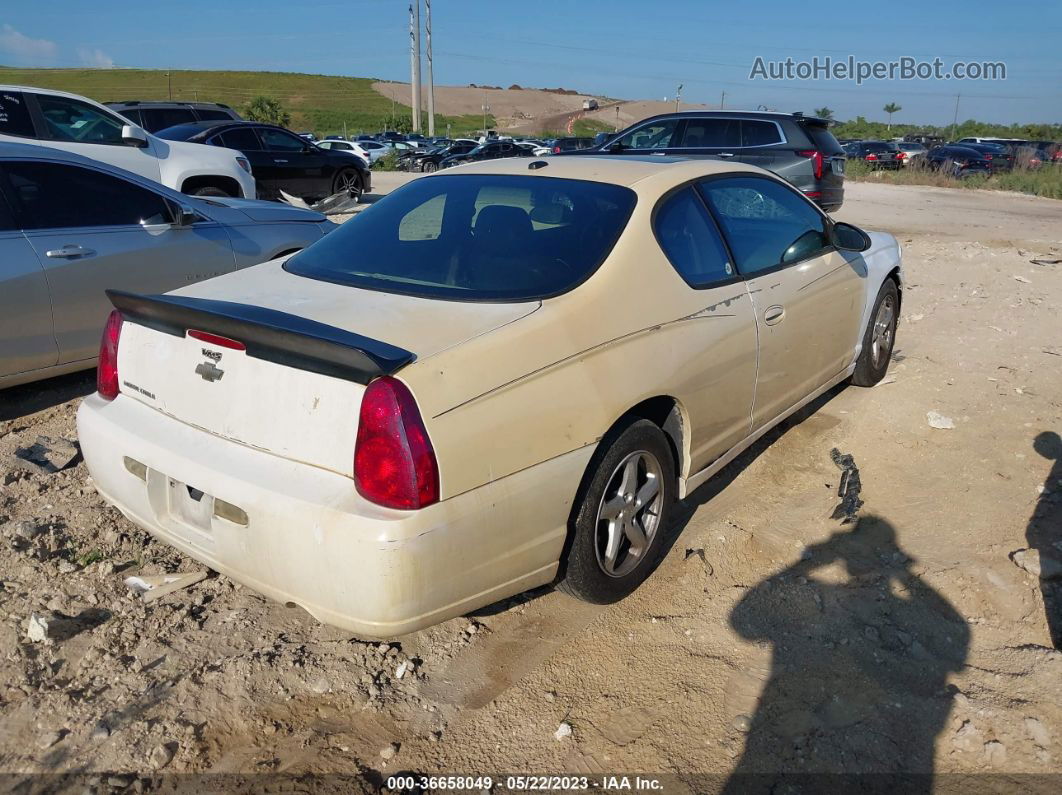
{"points": [[1044, 533], [862, 649]]}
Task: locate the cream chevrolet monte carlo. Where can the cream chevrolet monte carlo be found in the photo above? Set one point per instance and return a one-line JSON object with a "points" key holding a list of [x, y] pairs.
{"points": [[497, 377]]}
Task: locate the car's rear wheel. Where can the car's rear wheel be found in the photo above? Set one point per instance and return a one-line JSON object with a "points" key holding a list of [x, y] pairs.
{"points": [[429, 167], [621, 515], [879, 338], [348, 181]]}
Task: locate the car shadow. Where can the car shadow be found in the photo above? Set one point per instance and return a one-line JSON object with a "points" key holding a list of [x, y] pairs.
{"points": [[1044, 532], [861, 651], [21, 401], [685, 509]]}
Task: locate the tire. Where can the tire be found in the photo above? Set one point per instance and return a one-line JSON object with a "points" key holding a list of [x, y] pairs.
{"points": [[348, 180], [429, 167], [603, 564], [879, 337], [211, 190]]}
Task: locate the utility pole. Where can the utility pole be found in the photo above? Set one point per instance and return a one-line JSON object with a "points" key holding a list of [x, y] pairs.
{"points": [[486, 108], [414, 60], [431, 77], [955, 118], [722, 101], [169, 84], [678, 97]]}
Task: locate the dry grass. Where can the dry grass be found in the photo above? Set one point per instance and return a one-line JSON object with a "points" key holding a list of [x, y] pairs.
{"points": [[1046, 181]]}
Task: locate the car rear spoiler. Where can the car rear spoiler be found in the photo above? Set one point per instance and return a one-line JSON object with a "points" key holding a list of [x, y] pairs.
{"points": [[267, 334]]}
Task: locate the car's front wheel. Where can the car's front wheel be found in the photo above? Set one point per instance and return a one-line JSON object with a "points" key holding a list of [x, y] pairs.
{"points": [[621, 515], [211, 190], [348, 181], [429, 167], [879, 337]]}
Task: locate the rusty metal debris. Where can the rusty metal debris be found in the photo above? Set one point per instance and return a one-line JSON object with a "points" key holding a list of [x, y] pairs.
{"points": [[155, 586], [848, 489]]}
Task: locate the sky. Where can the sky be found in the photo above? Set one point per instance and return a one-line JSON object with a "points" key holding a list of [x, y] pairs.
{"points": [[615, 48]]}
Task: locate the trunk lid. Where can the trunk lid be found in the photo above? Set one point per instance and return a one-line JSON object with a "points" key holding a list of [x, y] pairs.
{"points": [[309, 349]]}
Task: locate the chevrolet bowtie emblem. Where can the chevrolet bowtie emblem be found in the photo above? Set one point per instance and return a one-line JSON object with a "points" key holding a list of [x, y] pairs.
{"points": [[209, 371]]}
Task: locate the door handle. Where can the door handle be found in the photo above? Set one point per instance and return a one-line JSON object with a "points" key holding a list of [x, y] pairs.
{"points": [[725, 154], [280, 161], [773, 314], [69, 252]]}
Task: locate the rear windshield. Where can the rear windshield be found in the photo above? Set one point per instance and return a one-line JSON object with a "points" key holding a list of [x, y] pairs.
{"points": [[474, 238], [823, 139]]}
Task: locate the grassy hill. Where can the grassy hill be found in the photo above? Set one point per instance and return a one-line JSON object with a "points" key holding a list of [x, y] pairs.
{"points": [[319, 103]]}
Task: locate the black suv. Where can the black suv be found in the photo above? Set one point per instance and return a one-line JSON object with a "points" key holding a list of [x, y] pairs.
{"points": [[800, 149], [491, 150], [155, 116], [281, 160]]}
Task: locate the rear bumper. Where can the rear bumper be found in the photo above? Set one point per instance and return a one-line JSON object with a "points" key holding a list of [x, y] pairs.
{"points": [[312, 540]]}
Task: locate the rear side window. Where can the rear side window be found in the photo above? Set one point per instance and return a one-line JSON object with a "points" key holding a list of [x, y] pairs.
{"points": [[759, 133], [766, 224], [689, 238], [14, 116], [823, 139], [242, 139], [59, 196], [280, 141], [156, 119], [712, 133], [474, 238], [213, 115]]}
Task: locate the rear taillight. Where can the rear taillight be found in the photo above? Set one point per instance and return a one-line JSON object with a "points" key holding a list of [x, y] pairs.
{"points": [[394, 463], [816, 158], [988, 157], [107, 369], [556, 150], [872, 156], [901, 155], [244, 163]]}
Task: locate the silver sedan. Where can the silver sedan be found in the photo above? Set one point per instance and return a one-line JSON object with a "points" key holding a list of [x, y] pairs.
{"points": [[71, 227]]}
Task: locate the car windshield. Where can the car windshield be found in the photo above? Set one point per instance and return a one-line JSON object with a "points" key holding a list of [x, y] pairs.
{"points": [[475, 237]]}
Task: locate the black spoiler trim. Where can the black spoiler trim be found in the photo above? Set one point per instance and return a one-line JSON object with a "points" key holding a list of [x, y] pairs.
{"points": [[269, 335]]}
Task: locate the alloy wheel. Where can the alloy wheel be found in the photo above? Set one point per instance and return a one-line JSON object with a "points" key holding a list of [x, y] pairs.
{"points": [[628, 517]]}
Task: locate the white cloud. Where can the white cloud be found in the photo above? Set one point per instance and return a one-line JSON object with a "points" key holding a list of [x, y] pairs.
{"points": [[95, 58], [31, 52]]}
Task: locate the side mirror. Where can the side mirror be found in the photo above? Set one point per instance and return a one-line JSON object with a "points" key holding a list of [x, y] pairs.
{"points": [[848, 238], [134, 136], [184, 216]]}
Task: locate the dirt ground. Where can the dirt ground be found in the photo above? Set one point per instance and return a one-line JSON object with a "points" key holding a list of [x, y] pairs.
{"points": [[772, 638], [531, 110]]}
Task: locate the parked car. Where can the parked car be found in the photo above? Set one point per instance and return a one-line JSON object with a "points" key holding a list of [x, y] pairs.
{"points": [[281, 160], [70, 227], [154, 116], [75, 124], [876, 154], [309, 136], [999, 157], [367, 148], [800, 149], [911, 153], [355, 148], [571, 144], [576, 346], [429, 161], [492, 150], [958, 161]]}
